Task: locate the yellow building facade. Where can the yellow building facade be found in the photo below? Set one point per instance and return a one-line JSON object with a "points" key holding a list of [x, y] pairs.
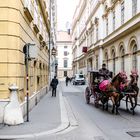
{"points": [[21, 22]]}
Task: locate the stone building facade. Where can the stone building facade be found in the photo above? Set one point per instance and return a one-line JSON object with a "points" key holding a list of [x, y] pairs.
{"points": [[110, 31], [21, 22]]}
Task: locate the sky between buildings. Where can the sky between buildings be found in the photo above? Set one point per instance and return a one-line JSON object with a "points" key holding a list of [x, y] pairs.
{"points": [[65, 12]]}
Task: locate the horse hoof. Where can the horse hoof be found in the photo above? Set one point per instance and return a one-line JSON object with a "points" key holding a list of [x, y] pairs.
{"points": [[131, 108], [127, 109], [106, 109]]}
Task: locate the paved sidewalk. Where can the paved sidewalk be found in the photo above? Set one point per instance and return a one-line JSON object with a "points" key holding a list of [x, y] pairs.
{"points": [[44, 117]]}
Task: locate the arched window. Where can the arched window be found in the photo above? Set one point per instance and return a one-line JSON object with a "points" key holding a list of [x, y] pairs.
{"points": [[134, 57], [114, 63], [106, 59], [122, 58]]}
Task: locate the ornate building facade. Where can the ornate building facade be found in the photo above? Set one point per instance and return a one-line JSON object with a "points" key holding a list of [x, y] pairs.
{"points": [[110, 31], [22, 22]]}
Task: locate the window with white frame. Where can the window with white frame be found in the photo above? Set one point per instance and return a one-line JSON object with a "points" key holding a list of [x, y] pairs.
{"points": [[97, 33], [92, 35], [65, 47], [65, 73], [65, 53], [134, 57], [122, 58], [114, 62], [113, 20], [122, 12], [107, 26], [134, 7], [106, 59], [65, 63]]}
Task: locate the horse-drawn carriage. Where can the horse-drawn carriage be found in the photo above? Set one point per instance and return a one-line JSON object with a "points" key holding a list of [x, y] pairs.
{"points": [[114, 89]]}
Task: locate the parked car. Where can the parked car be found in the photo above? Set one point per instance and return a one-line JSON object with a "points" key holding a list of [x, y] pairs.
{"points": [[78, 79]]}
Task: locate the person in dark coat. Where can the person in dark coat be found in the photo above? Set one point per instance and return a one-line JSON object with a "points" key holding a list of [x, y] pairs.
{"points": [[104, 73], [54, 84], [67, 80]]}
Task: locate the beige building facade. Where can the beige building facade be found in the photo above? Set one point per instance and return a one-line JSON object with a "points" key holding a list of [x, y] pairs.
{"points": [[110, 30], [21, 22]]}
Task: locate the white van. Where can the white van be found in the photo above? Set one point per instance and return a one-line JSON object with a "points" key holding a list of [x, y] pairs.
{"points": [[79, 79]]}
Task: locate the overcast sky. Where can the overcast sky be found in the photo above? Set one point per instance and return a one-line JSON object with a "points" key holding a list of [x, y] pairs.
{"points": [[65, 11]]}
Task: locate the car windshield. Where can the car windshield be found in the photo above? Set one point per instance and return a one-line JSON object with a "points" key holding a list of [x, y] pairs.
{"points": [[81, 76]]}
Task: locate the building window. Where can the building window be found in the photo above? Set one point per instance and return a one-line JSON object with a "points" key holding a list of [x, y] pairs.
{"points": [[106, 59], [122, 58], [65, 47], [92, 35], [122, 12], [65, 53], [113, 20], [97, 34], [107, 26], [65, 73], [134, 57], [114, 63], [134, 7], [65, 63]]}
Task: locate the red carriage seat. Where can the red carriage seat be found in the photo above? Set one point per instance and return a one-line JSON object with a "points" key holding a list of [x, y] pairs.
{"points": [[103, 85]]}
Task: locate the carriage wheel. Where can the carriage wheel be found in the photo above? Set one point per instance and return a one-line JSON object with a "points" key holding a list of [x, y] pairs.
{"points": [[87, 95]]}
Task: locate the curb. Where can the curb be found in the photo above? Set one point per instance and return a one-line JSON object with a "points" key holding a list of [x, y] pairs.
{"points": [[63, 126]]}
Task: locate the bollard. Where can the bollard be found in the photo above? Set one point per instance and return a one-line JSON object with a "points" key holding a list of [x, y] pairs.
{"points": [[12, 113]]}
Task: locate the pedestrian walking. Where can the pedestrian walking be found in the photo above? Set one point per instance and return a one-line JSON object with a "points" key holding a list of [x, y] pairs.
{"points": [[67, 80], [54, 84]]}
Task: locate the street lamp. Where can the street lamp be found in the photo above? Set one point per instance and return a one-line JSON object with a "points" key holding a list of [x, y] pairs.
{"points": [[54, 51], [30, 53]]}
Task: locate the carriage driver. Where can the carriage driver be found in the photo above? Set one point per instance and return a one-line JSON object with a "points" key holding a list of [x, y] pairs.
{"points": [[104, 73]]}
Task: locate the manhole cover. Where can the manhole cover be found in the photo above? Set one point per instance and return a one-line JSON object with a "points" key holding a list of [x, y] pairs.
{"points": [[134, 133], [98, 138]]}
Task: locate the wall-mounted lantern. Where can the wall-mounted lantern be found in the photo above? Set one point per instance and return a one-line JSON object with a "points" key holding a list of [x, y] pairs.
{"points": [[54, 51]]}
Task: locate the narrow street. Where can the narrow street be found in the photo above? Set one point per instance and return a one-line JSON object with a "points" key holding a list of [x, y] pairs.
{"points": [[94, 123]]}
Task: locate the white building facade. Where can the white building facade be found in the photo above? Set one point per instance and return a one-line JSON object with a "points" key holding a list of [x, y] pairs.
{"points": [[110, 31], [64, 54]]}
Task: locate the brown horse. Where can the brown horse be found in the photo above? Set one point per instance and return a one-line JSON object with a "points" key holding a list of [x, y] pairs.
{"points": [[115, 87], [112, 92], [132, 91]]}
